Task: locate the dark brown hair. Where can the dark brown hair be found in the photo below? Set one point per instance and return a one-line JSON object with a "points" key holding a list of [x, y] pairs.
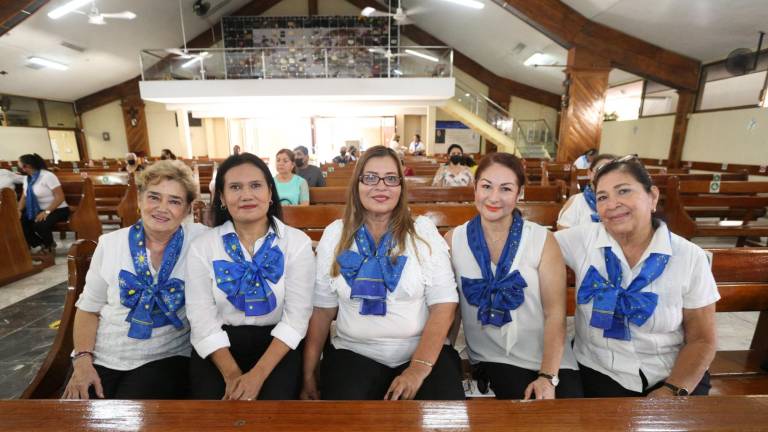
{"points": [[507, 160]]}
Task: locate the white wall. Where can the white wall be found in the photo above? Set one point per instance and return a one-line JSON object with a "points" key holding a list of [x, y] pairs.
{"points": [[106, 118], [736, 136], [163, 133], [523, 109], [648, 137], [16, 141]]}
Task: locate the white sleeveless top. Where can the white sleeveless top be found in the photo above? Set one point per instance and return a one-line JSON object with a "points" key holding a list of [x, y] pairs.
{"points": [[520, 342]]}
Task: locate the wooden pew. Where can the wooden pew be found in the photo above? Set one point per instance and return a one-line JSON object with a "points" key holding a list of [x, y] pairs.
{"points": [[84, 218], [421, 194], [751, 197], [15, 259], [51, 378], [411, 180], [128, 207], [618, 414]]}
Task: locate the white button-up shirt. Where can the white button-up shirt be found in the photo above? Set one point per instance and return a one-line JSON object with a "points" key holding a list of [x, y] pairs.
{"points": [[426, 280], [208, 308], [114, 349], [575, 212], [687, 283]]}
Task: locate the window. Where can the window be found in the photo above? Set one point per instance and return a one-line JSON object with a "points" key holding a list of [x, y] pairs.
{"points": [[59, 114], [658, 99], [721, 89], [20, 111], [623, 101]]}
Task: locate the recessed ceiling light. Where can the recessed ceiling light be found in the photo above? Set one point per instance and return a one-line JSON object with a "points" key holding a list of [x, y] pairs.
{"points": [[67, 8], [47, 63], [536, 59], [474, 4], [422, 55]]}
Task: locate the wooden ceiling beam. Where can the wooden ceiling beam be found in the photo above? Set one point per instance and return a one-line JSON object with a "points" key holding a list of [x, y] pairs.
{"points": [[13, 12], [569, 28], [473, 68]]}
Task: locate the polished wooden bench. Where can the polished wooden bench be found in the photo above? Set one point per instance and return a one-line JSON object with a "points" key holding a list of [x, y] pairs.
{"points": [[683, 196], [15, 258], [84, 221], [411, 180], [685, 413], [432, 194], [115, 194]]}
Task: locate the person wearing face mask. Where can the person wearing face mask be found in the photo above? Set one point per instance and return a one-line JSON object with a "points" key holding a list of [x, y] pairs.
{"points": [[167, 154], [249, 297], [312, 174], [342, 157], [512, 289], [454, 173]]}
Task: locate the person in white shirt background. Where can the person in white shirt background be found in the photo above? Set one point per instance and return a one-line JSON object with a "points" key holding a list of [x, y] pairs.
{"points": [[42, 204], [131, 335], [249, 296], [585, 160], [582, 207], [417, 147], [9, 179], [386, 279], [512, 288], [645, 313]]}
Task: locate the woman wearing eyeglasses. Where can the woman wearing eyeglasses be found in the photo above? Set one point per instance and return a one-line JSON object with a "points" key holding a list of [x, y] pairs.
{"points": [[645, 313], [386, 279], [512, 285], [582, 208]]}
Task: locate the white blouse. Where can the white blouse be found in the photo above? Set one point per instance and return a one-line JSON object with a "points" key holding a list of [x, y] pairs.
{"points": [[208, 308], [575, 212], [114, 349], [43, 189], [520, 342], [426, 280], [9, 179], [687, 283]]}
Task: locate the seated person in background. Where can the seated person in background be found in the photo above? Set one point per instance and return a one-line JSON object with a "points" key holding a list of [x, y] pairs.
{"points": [[312, 174], [42, 204], [470, 163], [131, 335], [387, 281], [512, 290], [236, 150], [291, 188], [394, 144], [132, 163], [585, 160], [166, 154], [8, 179], [342, 157], [582, 207], [417, 147], [352, 153], [645, 312], [249, 296], [454, 172]]}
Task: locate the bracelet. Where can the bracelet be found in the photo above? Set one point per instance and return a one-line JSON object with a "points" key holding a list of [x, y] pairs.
{"points": [[77, 355], [424, 362]]}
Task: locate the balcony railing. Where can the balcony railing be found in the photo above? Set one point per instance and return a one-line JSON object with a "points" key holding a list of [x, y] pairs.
{"points": [[297, 63]]}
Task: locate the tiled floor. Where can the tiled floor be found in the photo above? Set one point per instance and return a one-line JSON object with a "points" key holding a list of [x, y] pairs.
{"points": [[29, 306]]}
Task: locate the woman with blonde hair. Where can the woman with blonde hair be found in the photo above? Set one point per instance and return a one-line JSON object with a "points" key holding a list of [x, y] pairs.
{"points": [[131, 335], [386, 279]]}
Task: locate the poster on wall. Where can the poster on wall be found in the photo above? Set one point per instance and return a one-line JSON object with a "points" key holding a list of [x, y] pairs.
{"points": [[455, 132]]}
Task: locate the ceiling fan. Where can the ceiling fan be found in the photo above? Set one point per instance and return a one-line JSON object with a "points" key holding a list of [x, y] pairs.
{"points": [[94, 16], [400, 16]]}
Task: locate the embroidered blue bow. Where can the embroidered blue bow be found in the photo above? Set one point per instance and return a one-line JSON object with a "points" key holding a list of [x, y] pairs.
{"points": [[614, 307], [589, 197], [151, 304], [31, 206], [495, 295], [246, 282], [370, 272]]}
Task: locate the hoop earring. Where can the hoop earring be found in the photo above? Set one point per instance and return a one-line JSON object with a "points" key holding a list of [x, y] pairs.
{"points": [[223, 207]]}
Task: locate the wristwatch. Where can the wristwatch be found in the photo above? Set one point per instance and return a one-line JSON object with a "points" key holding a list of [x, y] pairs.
{"points": [[553, 379], [47, 212], [677, 391]]}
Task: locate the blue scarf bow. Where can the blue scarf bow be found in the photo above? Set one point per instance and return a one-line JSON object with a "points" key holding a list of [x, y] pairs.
{"points": [[246, 282], [151, 304], [31, 206], [589, 197], [614, 307], [370, 272], [495, 295]]}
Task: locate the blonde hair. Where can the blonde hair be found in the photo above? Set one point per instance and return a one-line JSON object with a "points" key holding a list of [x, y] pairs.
{"points": [[168, 170], [400, 224]]}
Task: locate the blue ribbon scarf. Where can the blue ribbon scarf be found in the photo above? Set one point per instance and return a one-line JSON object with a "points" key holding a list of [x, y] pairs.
{"points": [[246, 283], [614, 307], [495, 295], [589, 197], [151, 304], [370, 272], [31, 206]]}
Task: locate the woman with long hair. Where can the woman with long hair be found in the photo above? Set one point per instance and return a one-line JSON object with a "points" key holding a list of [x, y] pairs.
{"points": [[386, 279], [249, 297]]}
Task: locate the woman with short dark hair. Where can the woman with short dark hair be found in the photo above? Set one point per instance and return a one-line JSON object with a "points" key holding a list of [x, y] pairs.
{"points": [[42, 204]]}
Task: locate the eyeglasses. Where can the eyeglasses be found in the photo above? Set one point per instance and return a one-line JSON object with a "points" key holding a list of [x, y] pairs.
{"points": [[374, 179], [630, 158]]}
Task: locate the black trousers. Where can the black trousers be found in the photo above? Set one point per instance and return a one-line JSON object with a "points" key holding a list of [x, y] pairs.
{"points": [[161, 379], [41, 233], [346, 375], [509, 382], [597, 384], [247, 345]]}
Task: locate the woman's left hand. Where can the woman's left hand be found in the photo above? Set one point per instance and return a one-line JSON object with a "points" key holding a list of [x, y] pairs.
{"points": [[246, 387], [41, 216], [540, 388], [408, 383], [661, 392]]}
